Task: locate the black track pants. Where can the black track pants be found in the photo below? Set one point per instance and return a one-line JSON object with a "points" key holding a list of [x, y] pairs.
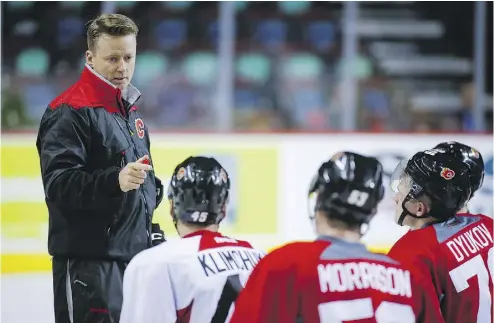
{"points": [[87, 291]]}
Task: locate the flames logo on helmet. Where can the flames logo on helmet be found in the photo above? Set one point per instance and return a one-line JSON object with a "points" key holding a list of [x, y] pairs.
{"points": [[447, 173], [181, 173], [475, 153], [223, 176]]}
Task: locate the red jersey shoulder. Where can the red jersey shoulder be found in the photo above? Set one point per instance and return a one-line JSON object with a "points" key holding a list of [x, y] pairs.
{"points": [[211, 240], [416, 241], [295, 254], [488, 221]]}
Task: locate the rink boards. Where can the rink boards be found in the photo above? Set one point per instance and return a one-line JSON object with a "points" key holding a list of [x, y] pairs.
{"points": [[270, 177]]}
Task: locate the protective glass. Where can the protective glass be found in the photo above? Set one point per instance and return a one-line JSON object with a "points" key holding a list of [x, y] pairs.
{"points": [[311, 204], [169, 192], [399, 179], [403, 185]]}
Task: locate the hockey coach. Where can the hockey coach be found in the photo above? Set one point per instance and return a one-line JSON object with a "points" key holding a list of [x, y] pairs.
{"points": [[100, 188]]}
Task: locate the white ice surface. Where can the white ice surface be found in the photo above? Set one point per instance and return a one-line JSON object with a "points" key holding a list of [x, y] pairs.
{"points": [[27, 298]]}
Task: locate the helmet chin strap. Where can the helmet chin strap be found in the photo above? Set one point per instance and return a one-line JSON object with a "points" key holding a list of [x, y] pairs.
{"points": [[406, 212]]}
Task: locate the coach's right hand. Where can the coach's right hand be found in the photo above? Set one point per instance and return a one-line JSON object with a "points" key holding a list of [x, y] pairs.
{"points": [[133, 174]]}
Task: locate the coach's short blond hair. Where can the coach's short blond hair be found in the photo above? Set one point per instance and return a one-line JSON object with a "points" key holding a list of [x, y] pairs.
{"points": [[109, 24]]}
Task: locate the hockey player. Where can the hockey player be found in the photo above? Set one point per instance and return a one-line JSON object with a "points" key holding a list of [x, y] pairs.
{"points": [[195, 278], [450, 253], [335, 278], [472, 158]]}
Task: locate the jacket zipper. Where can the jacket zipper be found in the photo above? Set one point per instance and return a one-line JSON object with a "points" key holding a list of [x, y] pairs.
{"points": [[141, 193]]}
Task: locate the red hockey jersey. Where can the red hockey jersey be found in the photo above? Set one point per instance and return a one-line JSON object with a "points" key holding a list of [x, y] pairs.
{"points": [[454, 260], [331, 280]]}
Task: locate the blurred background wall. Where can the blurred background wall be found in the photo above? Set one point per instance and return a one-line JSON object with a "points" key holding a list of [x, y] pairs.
{"points": [[271, 89], [412, 63]]}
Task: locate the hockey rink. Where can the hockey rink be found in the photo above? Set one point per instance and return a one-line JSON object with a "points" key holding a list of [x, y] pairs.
{"points": [[27, 298]]}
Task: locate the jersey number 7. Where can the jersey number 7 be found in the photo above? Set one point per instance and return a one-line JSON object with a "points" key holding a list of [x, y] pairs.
{"points": [[232, 288], [476, 267]]}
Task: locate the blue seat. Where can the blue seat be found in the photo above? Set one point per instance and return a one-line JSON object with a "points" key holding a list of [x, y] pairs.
{"points": [[213, 32], [36, 97], [376, 101], [308, 107], [271, 33], [175, 106], [321, 35], [247, 99], [69, 28], [170, 34]]}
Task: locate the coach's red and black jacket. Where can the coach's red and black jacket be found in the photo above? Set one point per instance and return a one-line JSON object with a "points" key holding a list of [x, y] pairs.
{"points": [[86, 136]]}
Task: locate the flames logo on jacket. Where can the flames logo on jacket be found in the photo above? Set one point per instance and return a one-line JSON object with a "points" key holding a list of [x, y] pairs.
{"points": [[140, 128]]}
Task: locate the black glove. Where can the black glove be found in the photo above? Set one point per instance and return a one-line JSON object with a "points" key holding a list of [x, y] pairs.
{"points": [[157, 235], [159, 191]]}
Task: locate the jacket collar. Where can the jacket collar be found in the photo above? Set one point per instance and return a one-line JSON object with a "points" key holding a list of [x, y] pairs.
{"points": [[106, 93]]}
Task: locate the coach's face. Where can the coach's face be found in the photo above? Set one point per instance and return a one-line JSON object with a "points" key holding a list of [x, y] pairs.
{"points": [[114, 58]]}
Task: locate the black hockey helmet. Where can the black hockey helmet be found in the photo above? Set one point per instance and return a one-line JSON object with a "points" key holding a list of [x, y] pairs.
{"points": [[348, 188], [470, 157], [439, 175], [199, 190]]}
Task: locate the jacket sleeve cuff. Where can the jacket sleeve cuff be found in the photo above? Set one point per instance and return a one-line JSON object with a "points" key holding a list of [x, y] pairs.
{"points": [[159, 191]]}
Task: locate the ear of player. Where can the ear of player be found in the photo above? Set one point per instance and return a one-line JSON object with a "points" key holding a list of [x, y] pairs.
{"points": [[199, 191], [348, 187]]}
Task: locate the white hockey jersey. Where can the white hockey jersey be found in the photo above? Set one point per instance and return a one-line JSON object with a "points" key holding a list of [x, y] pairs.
{"points": [[193, 279]]}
